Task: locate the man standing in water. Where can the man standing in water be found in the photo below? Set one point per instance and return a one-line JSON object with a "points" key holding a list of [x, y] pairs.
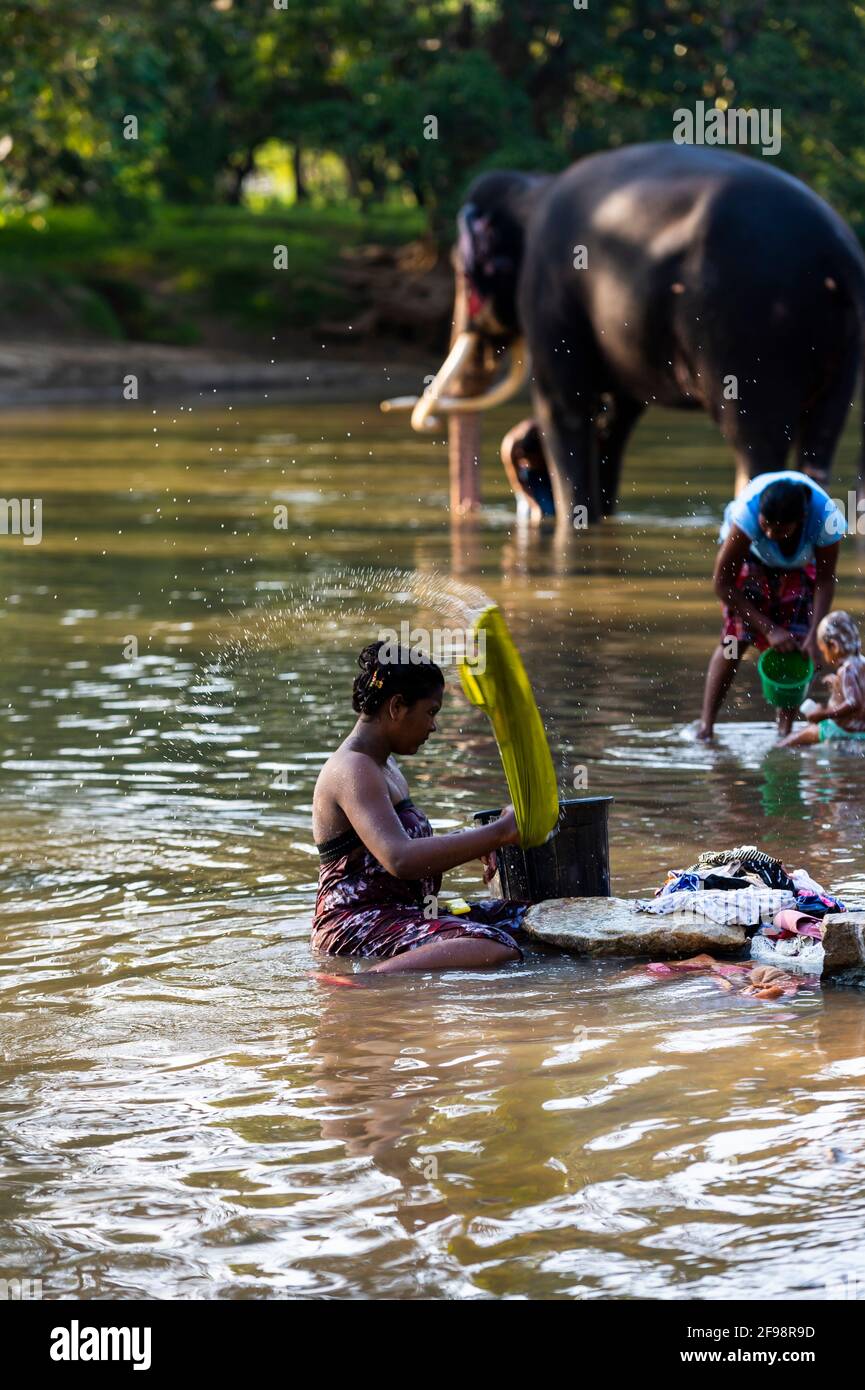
{"points": [[775, 577], [526, 468]]}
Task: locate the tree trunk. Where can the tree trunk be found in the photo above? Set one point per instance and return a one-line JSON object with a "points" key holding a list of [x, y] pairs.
{"points": [[301, 193], [237, 175]]}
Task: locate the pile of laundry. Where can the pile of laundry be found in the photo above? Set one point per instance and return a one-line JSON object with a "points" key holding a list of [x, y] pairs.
{"points": [[794, 941], [747, 888]]}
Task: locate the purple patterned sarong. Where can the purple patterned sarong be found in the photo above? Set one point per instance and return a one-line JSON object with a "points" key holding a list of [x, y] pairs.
{"points": [[362, 910]]}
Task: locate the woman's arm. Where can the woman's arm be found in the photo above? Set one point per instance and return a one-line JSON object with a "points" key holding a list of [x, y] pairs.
{"points": [[361, 792], [824, 589], [732, 555]]}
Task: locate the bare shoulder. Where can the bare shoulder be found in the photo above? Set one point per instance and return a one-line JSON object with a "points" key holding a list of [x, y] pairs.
{"points": [[350, 765], [853, 670], [347, 767], [346, 764]]}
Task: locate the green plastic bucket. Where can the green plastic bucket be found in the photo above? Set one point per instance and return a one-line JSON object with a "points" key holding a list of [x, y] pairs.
{"points": [[785, 677]]}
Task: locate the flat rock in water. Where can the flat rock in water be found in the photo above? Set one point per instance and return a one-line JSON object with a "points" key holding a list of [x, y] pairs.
{"points": [[611, 927]]}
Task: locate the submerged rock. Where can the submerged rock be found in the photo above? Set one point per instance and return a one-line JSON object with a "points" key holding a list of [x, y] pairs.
{"points": [[611, 927]]}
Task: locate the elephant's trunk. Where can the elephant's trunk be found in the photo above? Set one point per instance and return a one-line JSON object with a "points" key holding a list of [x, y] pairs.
{"points": [[464, 458], [462, 388]]}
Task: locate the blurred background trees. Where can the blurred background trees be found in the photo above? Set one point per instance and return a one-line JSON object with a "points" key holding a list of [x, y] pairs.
{"points": [[347, 121], [335, 93]]}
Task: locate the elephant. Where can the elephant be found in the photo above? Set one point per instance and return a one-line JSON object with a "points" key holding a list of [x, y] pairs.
{"points": [[655, 274]]}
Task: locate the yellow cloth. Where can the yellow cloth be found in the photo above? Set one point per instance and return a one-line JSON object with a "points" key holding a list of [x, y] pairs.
{"points": [[502, 690]]}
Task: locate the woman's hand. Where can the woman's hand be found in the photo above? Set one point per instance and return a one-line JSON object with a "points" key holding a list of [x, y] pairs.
{"points": [[817, 715], [507, 827], [489, 863], [780, 640]]}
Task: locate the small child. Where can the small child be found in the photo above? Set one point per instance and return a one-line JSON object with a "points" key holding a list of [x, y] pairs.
{"points": [[844, 716]]}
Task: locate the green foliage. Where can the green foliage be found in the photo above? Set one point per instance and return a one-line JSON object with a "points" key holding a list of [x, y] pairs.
{"points": [[183, 265], [531, 83]]}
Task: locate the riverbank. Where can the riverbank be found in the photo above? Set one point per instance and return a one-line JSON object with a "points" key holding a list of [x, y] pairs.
{"points": [[78, 372], [309, 303]]}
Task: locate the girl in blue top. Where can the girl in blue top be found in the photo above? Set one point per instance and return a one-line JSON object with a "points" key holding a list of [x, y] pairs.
{"points": [[775, 577]]}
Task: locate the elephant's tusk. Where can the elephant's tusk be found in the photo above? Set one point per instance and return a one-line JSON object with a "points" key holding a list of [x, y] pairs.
{"points": [[421, 418], [502, 391]]}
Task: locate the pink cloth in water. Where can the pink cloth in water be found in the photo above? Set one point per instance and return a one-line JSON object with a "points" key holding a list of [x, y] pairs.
{"points": [[678, 967]]}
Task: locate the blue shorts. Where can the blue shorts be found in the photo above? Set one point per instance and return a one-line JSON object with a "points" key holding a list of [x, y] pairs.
{"points": [[830, 730]]}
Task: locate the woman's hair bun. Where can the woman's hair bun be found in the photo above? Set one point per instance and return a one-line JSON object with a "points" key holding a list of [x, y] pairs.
{"points": [[399, 673], [368, 657], [367, 694]]}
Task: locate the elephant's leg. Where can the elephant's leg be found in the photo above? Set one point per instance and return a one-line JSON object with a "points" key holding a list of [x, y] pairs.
{"points": [[761, 445], [752, 459], [614, 428], [760, 428], [823, 421], [570, 448], [745, 470]]}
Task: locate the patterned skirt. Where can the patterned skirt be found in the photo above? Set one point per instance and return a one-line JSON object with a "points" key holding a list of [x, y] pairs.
{"points": [[786, 597], [382, 931], [362, 910]]}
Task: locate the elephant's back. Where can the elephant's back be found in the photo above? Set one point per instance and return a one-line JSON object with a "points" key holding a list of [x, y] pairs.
{"points": [[693, 257], [670, 166], [654, 216], [660, 194]]}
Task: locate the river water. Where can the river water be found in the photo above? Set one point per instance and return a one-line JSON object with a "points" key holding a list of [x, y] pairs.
{"points": [[186, 1111]]}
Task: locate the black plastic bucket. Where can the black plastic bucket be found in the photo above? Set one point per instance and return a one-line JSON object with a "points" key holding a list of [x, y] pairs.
{"points": [[573, 863]]}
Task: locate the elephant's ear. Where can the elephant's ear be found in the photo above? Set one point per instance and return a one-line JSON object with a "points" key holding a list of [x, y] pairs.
{"points": [[468, 220], [477, 245]]}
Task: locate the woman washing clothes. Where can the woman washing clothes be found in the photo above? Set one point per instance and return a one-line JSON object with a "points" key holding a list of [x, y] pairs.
{"points": [[381, 865], [775, 577]]}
